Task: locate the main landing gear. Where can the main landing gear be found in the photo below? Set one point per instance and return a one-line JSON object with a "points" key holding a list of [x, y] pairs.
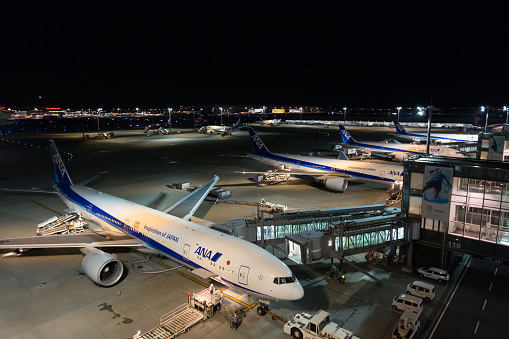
{"points": [[264, 307]]}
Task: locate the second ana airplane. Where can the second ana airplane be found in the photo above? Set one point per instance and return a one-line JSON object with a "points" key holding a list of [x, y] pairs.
{"points": [[442, 137], [398, 151], [170, 232], [333, 173]]}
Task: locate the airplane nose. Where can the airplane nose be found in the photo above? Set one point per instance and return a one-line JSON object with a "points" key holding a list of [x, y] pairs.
{"points": [[297, 292]]}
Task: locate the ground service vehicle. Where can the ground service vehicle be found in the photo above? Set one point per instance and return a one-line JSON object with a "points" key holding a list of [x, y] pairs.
{"points": [[434, 273], [408, 324], [305, 325], [407, 302], [421, 289]]}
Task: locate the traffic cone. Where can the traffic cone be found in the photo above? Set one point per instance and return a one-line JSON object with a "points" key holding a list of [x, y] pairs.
{"points": [[118, 293]]}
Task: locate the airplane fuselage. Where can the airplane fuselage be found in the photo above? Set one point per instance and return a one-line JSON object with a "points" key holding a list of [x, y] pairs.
{"points": [[240, 264], [369, 172]]}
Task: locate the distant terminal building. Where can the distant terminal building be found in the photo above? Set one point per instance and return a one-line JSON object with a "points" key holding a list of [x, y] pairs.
{"points": [[494, 146], [455, 205]]}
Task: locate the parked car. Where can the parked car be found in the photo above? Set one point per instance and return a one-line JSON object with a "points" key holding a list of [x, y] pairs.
{"points": [[434, 273]]}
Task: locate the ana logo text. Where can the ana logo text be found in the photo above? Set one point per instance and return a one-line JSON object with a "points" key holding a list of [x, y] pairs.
{"points": [[205, 253], [258, 141], [60, 164], [346, 134], [397, 173]]}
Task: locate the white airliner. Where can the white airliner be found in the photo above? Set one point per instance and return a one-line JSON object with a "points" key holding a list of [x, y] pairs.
{"points": [[171, 232], [442, 137], [272, 122], [398, 151], [333, 173], [219, 129]]}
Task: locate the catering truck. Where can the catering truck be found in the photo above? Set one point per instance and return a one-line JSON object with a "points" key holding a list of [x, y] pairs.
{"points": [[305, 326]]}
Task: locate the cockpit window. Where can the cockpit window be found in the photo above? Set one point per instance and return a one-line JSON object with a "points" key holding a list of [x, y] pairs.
{"points": [[285, 280]]}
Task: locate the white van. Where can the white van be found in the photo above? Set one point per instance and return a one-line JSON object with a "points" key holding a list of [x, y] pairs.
{"points": [[421, 289], [407, 302]]}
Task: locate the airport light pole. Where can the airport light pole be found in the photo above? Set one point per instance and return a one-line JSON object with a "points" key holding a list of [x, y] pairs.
{"points": [[344, 115], [169, 117], [507, 114], [429, 109], [487, 109], [98, 110], [399, 109], [82, 125]]}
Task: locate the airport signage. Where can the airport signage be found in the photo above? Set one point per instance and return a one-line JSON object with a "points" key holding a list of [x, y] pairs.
{"points": [[496, 150], [436, 195]]}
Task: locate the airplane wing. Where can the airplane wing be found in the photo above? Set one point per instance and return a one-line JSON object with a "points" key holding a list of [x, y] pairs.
{"points": [[185, 207], [30, 190], [96, 239]]}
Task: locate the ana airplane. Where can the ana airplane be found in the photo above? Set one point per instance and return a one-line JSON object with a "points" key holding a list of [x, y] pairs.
{"points": [[398, 151], [170, 232], [272, 122], [219, 129], [442, 137], [333, 173]]}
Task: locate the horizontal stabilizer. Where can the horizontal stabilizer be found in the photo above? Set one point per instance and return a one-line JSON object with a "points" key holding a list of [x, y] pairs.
{"points": [[30, 190]]}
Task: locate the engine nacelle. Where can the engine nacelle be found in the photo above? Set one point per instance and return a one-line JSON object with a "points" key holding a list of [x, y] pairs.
{"points": [[102, 268], [399, 156], [336, 184], [282, 167]]}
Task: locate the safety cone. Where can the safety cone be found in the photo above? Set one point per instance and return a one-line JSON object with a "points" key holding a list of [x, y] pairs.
{"points": [[118, 293]]}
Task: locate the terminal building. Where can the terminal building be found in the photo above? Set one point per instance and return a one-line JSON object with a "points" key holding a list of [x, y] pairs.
{"points": [[455, 205]]}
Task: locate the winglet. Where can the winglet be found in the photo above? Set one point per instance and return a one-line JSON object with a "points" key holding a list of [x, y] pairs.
{"points": [[347, 138], [258, 145], [342, 156], [61, 174], [185, 207], [399, 128]]}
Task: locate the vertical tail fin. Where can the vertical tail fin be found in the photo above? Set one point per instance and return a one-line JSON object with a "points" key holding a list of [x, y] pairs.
{"points": [[399, 128], [347, 138], [237, 124], [258, 145], [61, 174]]}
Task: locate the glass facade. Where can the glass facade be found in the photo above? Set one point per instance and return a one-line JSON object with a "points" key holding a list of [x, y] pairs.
{"points": [[480, 210]]}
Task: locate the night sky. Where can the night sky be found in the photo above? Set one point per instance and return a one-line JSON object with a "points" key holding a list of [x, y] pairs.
{"points": [[166, 53]]}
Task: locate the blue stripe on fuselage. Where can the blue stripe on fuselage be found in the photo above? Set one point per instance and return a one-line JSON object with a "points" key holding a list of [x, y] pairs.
{"points": [[77, 199], [324, 168]]}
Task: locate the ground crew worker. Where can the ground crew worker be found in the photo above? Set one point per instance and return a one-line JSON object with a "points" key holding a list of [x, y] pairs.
{"points": [[211, 289], [235, 321]]}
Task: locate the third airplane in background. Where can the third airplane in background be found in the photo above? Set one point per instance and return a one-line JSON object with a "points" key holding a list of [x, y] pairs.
{"points": [[219, 129], [442, 137], [398, 151], [333, 173]]}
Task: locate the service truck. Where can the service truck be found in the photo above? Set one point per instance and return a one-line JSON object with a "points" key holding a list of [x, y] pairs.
{"points": [[408, 324], [305, 325]]}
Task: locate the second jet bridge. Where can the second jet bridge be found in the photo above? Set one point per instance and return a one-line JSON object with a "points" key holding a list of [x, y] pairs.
{"points": [[346, 238]]}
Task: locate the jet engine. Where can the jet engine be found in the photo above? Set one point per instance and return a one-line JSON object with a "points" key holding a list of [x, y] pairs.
{"points": [[399, 156], [102, 268], [336, 184]]}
